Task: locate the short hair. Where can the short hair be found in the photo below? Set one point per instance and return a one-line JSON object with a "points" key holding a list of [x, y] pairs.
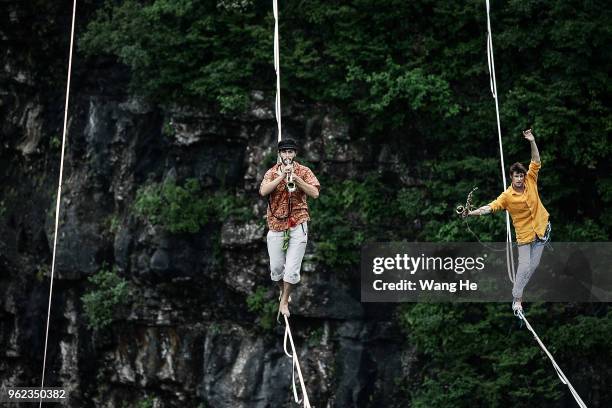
{"points": [[517, 168]]}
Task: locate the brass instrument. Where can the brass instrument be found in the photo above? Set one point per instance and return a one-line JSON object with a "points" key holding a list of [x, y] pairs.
{"points": [[289, 178]]}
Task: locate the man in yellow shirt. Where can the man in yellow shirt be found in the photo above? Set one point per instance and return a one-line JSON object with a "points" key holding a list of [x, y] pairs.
{"points": [[529, 217]]}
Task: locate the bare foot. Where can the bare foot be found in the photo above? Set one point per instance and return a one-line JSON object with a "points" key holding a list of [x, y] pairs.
{"points": [[284, 308], [516, 305]]}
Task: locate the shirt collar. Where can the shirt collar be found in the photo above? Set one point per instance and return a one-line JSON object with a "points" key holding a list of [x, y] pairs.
{"points": [[514, 192]]}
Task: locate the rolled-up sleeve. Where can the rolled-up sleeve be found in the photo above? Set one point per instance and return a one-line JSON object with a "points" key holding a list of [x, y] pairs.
{"points": [[534, 169], [499, 203]]}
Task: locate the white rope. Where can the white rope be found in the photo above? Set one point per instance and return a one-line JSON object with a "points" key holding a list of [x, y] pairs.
{"points": [[295, 364], [295, 367], [277, 104], [560, 373], [59, 195], [509, 255], [493, 83]]}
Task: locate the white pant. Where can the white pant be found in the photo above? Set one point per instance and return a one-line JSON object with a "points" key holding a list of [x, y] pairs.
{"points": [[286, 266]]}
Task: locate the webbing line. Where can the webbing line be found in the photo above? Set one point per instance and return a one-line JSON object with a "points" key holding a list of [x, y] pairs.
{"points": [[295, 367], [277, 110], [560, 373], [493, 83], [277, 103], [59, 195], [509, 255]]}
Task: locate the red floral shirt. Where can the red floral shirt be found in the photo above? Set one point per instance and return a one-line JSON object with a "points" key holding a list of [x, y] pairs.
{"points": [[281, 201]]}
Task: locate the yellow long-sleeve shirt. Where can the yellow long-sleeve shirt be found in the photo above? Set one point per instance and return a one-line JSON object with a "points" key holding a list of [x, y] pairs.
{"points": [[526, 209]]}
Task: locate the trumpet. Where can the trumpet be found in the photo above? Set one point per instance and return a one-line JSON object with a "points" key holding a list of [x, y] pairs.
{"points": [[289, 177], [290, 183]]}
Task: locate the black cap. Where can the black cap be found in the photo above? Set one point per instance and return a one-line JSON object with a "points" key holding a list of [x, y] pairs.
{"points": [[287, 144]]}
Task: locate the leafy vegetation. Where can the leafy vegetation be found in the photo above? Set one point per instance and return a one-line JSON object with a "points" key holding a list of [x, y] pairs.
{"points": [[471, 354], [184, 50], [55, 142], [411, 76], [186, 208], [348, 213], [147, 402], [414, 73], [258, 302], [109, 292], [112, 223], [315, 337], [474, 356]]}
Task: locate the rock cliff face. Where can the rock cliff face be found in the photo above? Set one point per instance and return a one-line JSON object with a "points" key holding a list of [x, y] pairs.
{"points": [[186, 338]]}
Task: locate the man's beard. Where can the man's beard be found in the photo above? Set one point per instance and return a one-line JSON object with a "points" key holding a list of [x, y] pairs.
{"points": [[287, 162]]}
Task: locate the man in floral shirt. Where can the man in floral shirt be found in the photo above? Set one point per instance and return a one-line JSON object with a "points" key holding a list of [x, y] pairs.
{"points": [[287, 217]]}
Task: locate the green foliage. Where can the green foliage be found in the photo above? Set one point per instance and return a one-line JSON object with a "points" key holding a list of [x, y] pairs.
{"points": [[2, 210], [109, 292], [177, 208], [473, 356], [113, 223], [186, 208], [395, 85], [185, 50], [315, 337], [168, 129], [346, 214], [55, 142], [147, 402], [585, 231], [413, 73], [258, 302], [214, 328], [42, 271], [232, 206], [350, 213], [373, 56], [446, 184]]}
